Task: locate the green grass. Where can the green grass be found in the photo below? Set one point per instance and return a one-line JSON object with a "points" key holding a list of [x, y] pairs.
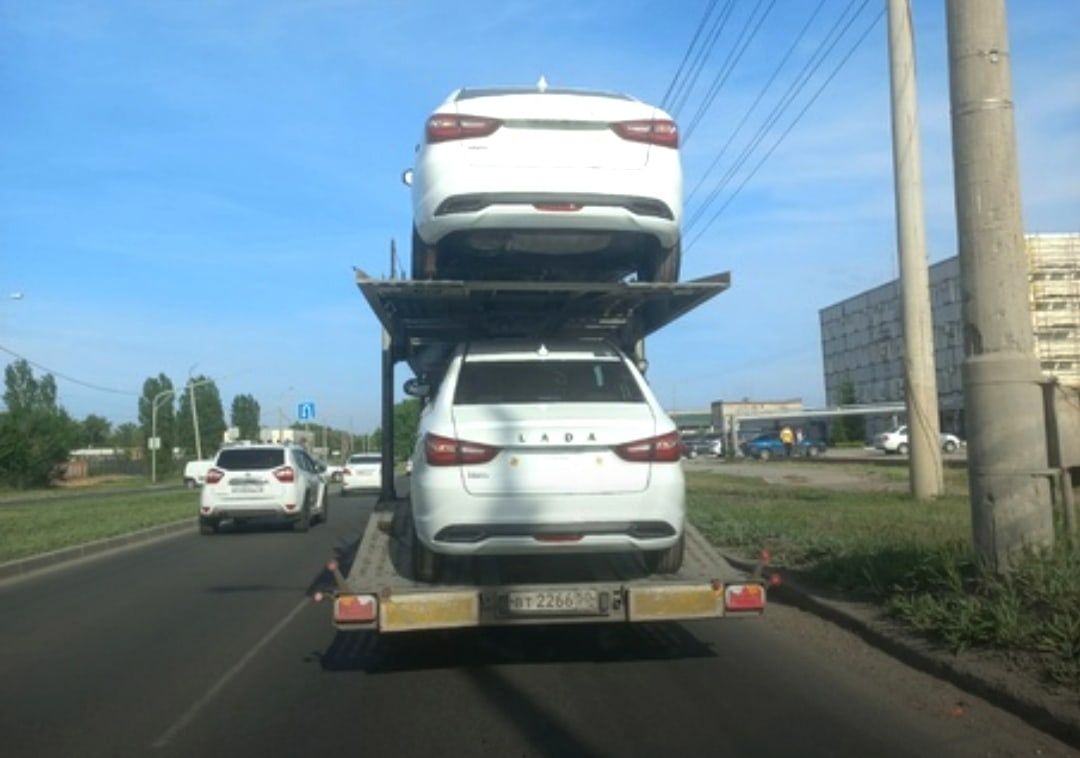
{"points": [[914, 559], [50, 524]]}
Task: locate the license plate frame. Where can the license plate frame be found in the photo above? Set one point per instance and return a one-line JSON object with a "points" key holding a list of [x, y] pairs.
{"points": [[552, 602], [247, 489]]}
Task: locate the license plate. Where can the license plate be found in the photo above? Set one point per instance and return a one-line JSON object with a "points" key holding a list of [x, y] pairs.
{"points": [[551, 603], [244, 489]]}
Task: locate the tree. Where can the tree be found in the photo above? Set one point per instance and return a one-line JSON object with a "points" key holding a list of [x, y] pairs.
{"points": [[244, 414], [126, 437], [36, 434], [159, 389], [848, 428], [95, 431], [209, 413], [406, 423]]}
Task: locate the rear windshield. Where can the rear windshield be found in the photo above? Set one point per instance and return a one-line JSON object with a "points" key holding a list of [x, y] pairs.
{"points": [[250, 459], [467, 94], [365, 459], [483, 382]]}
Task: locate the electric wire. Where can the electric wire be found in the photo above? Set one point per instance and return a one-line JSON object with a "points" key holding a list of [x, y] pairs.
{"points": [[690, 81], [686, 57], [66, 378], [843, 61]]}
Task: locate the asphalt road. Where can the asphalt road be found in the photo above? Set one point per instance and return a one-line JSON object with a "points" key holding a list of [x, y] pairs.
{"points": [[212, 646]]}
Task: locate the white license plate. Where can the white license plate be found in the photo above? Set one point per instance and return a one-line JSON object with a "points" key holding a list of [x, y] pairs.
{"points": [[247, 489], [552, 602]]}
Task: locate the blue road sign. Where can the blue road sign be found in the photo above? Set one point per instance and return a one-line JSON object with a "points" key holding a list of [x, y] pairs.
{"points": [[306, 411]]}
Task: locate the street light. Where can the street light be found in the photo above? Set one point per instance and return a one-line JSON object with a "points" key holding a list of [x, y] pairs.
{"points": [[194, 413], [155, 442], [281, 413]]}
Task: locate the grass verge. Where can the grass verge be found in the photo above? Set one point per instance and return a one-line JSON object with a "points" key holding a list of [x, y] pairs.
{"points": [[50, 524], [914, 559]]}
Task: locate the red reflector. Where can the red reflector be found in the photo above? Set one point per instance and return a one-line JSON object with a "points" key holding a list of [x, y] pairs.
{"points": [[558, 207], [557, 537], [355, 609], [744, 597]]}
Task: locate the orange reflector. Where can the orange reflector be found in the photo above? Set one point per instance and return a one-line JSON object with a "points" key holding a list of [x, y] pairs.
{"points": [[744, 597], [558, 207], [355, 609]]}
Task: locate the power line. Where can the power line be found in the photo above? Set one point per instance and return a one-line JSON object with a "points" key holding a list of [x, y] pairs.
{"points": [[791, 126], [794, 89], [728, 66], [686, 56], [71, 379], [700, 59]]}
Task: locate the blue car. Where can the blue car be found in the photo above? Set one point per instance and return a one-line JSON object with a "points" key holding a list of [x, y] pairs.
{"points": [[766, 446]]}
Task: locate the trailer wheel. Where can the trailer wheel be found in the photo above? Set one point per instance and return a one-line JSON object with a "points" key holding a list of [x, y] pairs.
{"points": [[208, 526], [663, 266], [666, 561], [427, 564]]}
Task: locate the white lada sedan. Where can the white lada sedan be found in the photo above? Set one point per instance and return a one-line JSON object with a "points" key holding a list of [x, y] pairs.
{"points": [[533, 448], [540, 182]]}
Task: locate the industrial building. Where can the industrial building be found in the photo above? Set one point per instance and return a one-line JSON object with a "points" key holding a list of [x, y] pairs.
{"points": [[862, 337]]}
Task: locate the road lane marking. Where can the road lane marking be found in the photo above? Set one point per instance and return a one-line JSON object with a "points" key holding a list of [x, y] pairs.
{"points": [[190, 714]]}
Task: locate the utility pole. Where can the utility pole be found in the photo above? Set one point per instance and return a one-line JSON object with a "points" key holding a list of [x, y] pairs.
{"points": [[926, 477], [1007, 452], [195, 420]]}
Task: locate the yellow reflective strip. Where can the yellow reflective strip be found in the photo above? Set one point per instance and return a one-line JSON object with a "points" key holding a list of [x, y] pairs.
{"points": [[431, 610], [674, 603]]}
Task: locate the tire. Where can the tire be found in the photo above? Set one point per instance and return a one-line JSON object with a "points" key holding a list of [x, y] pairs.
{"points": [[421, 252], [902, 448], [427, 565], [764, 455], [324, 514], [208, 526], [190, 484], [949, 446], [667, 561], [663, 267], [812, 452], [303, 523]]}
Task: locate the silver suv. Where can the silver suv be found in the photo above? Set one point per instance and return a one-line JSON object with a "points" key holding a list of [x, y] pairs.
{"points": [[264, 480]]}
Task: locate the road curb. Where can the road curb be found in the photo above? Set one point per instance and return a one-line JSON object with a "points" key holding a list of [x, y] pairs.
{"points": [[1057, 716], [30, 564]]}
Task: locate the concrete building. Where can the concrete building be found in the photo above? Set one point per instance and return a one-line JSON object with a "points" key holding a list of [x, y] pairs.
{"points": [[862, 339]]}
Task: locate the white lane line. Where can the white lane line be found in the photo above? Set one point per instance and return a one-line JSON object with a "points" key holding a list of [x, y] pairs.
{"points": [[198, 705]]}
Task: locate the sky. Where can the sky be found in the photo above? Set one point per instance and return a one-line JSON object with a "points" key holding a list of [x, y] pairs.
{"points": [[186, 186]]}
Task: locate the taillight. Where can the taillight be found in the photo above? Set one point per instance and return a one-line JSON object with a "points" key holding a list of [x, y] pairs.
{"points": [[443, 127], [214, 475], [662, 449], [285, 474], [445, 451], [663, 133]]}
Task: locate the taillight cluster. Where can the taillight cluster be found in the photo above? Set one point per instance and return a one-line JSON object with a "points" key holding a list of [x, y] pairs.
{"points": [[446, 451], [666, 448], [214, 475], [285, 474], [444, 127], [663, 133]]}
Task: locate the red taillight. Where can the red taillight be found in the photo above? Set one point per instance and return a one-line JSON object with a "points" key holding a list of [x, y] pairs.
{"points": [[285, 474], [663, 133], [443, 127], [662, 449], [214, 475], [444, 451]]}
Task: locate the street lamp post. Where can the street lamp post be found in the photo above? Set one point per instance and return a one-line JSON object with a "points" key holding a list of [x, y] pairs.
{"points": [[194, 413], [281, 413], [153, 431]]}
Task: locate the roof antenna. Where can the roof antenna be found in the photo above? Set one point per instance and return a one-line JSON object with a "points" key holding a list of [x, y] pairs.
{"points": [[542, 84]]}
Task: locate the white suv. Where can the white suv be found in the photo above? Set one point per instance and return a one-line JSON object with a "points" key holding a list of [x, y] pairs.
{"points": [[257, 481], [896, 441], [546, 448], [362, 471]]}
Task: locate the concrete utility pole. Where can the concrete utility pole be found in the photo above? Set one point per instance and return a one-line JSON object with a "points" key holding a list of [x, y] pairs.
{"points": [[926, 477], [1007, 453]]}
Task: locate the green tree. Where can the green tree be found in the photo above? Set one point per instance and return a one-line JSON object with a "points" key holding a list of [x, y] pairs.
{"points": [[848, 428], [209, 412], [406, 423], [95, 431], [126, 437], [36, 434], [159, 390], [244, 415]]}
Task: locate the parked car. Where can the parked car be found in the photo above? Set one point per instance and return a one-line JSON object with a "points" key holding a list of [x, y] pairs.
{"points": [[710, 445], [524, 182], [546, 448], [362, 472], [332, 471], [768, 445], [263, 480], [195, 473], [896, 441]]}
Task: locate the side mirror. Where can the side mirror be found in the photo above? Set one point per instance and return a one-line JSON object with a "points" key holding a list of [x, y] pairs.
{"points": [[417, 388], [407, 177]]}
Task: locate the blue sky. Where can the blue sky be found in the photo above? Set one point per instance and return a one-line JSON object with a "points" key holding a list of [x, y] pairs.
{"points": [[191, 182]]}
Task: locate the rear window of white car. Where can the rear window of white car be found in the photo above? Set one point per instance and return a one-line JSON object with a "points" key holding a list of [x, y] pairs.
{"points": [[368, 459], [250, 459], [550, 381]]}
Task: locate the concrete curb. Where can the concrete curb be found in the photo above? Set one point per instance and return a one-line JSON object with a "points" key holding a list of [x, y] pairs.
{"points": [[30, 564], [1058, 716]]}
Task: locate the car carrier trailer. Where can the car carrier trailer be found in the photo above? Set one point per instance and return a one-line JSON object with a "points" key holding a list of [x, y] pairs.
{"points": [[423, 321]]}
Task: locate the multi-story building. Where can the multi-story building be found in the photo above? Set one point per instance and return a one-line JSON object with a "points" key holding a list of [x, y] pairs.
{"points": [[862, 337]]}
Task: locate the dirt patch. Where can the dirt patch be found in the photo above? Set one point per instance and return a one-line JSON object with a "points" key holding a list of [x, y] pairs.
{"points": [[812, 473]]}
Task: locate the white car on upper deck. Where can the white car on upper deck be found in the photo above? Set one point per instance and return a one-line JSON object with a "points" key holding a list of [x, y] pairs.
{"points": [[529, 447], [545, 182]]}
